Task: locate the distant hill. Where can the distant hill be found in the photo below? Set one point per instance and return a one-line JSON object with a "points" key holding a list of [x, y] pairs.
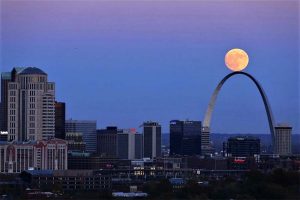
{"points": [[265, 140]]}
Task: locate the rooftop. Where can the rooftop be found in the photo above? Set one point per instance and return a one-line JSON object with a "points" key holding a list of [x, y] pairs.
{"points": [[283, 125], [32, 70], [243, 137], [6, 75], [18, 69], [40, 172]]}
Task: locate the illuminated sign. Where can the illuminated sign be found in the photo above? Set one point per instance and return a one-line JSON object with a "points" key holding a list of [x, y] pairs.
{"points": [[239, 160], [132, 130]]}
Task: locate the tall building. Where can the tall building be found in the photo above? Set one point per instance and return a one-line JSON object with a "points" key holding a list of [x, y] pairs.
{"points": [[185, 137], [176, 134], [129, 144], [87, 128], [139, 146], [60, 119], [242, 146], [29, 99], [16, 157], [119, 143], [107, 141], [282, 139], [151, 139], [206, 147], [5, 79]]}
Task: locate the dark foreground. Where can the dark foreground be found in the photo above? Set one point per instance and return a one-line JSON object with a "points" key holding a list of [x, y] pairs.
{"points": [[278, 184]]}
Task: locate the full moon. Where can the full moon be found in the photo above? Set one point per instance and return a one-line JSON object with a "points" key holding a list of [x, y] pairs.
{"points": [[236, 59]]}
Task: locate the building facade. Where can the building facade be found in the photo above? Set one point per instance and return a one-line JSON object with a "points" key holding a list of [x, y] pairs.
{"points": [[139, 148], [60, 120], [242, 146], [151, 139], [16, 157], [107, 142], [88, 130], [5, 79], [283, 139], [81, 160], [129, 144], [75, 142], [67, 180], [30, 105], [126, 145], [185, 137], [119, 143]]}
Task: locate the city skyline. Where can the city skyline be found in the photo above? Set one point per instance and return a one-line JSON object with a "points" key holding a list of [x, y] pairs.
{"points": [[154, 70]]}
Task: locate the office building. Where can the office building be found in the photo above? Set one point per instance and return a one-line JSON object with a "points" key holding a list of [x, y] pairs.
{"points": [[242, 146], [206, 147], [185, 137], [119, 143], [75, 142], [88, 130], [67, 180], [83, 160], [138, 146], [60, 119], [129, 144], [16, 157], [282, 139], [6, 77], [27, 104], [107, 142], [151, 139], [176, 134], [126, 145]]}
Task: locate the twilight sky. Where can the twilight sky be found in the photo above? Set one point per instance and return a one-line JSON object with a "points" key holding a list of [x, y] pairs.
{"points": [[124, 62]]}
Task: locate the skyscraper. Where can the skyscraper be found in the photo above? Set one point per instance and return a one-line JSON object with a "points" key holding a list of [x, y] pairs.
{"points": [[87, 128], [30, 105], [107, 141], [129, 144], [185, 137], [282, 137], [60, 119], [176, 133], [119, 143], [5, 78], [152, 139], [242, 146], [138, 146]]}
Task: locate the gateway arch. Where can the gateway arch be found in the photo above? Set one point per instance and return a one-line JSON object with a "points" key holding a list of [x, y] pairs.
{"points": [[206, 123]]}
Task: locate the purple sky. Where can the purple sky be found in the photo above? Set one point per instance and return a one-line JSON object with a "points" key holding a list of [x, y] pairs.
{"points": [[125, 62]]}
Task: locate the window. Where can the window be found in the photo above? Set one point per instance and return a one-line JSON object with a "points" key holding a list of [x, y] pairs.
{"points": [[31, 125]]}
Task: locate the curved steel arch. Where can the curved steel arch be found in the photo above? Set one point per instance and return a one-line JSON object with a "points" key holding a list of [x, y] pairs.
{"points": [[207, 119]]}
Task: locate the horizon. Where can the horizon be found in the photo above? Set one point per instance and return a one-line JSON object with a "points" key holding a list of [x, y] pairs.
{"points": [[136, 61]]}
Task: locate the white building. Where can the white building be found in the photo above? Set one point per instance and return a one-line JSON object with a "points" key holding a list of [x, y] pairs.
{"points": [[31, 108], [283, 139], [16, 157]]}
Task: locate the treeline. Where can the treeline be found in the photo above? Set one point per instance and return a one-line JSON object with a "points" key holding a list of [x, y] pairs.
{"points": [[278, 184]]}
